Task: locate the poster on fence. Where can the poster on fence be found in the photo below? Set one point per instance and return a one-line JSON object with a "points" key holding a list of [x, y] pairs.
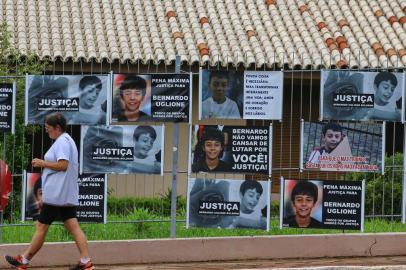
{"points": [[346, 147], [7, 107], [151, 98], [355, 95], [322, 204], [92, 197], [404, 176], [122, 149], [231, 149], [226, 203], [82, 99], [240, 95]]}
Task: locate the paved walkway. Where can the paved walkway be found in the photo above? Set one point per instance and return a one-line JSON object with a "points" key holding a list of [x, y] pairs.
{"points": [[362, 263]]}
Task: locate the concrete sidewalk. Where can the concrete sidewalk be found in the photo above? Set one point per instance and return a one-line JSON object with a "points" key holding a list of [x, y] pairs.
{"points": [[354, 263]]}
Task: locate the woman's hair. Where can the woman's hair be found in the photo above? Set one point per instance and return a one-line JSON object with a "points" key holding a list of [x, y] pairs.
{"points": [[56, 119], [305, 188]]}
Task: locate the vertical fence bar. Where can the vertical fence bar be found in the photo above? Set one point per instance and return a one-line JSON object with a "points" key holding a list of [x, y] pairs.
{"points": [[175, 142]]}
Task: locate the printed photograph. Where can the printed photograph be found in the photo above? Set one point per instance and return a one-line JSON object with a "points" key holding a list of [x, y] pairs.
{"points": [[323, 204], [333, 146], [122, 149], [303, 202], [226, 203], [352, 95], [238, 149], [82, 99]]}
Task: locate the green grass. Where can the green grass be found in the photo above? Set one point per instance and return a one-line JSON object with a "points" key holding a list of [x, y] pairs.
{"points": [[126, 229]]}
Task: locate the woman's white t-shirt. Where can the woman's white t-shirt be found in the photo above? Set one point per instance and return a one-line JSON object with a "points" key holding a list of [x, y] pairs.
{"points": [[61, 187]]}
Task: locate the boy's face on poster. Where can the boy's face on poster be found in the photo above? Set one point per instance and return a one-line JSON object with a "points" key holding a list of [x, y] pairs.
{"points": [[383, 92], [212, 149], [218, 88], [88, 96], [249, 200], [38, 196], [332, 139], [132, 99], [303, 205], [143, 145]]}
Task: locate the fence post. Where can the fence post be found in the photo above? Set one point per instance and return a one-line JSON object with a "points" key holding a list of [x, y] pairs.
{"points": [[175, 142]]}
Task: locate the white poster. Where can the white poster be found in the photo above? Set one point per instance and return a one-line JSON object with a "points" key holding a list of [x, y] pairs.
{"points": [[240, 95], [263, 94]]}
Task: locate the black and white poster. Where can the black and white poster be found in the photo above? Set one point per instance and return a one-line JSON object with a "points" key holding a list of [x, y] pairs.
{"points": [[345, 147], [122, 149], [82, 99], [92, 197], [232, 149], [404, 176], [240, 95], [226, 203], [151, 98], [322, 204], [355, 95], [7, 107]]}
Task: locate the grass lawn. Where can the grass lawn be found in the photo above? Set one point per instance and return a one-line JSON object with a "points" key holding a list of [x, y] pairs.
{"points": [[122, 228]]}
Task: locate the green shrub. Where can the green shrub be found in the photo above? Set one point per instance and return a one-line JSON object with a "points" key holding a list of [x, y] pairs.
{"points": [[139, 216], [157, 206], [274, 208], [15, 148], [383, 194]]}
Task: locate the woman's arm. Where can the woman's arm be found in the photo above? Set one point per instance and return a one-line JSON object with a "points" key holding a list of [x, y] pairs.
{"points": [[60, 165]]}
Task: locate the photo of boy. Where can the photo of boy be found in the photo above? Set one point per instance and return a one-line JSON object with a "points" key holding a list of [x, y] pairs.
{"points": [[385, 107], [209, 151], [303, 199], [128, 101], [346, 146], [354, 95], [332, 137], [250, 194], [33, 198], [218, 104], [89, 89], [145, 161], [207, 194]]}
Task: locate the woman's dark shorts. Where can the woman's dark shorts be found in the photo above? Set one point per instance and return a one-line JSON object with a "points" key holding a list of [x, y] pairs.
{"points": [[50, 213]]}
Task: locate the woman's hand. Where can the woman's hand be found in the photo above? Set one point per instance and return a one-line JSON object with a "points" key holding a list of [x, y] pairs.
{"points": [[39, 163], [60, 165]]}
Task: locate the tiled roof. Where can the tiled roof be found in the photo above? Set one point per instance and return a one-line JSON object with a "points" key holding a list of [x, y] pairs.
{"points": [[297, 33]]}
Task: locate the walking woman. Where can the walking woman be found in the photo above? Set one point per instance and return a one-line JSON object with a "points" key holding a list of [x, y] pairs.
{"points": [[60, 194]]}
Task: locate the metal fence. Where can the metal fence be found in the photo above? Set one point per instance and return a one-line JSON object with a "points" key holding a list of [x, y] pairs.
{"points": [[149, 216]]}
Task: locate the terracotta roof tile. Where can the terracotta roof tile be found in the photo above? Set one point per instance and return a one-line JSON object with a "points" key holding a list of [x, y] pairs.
{"points": [[296, 33]]}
